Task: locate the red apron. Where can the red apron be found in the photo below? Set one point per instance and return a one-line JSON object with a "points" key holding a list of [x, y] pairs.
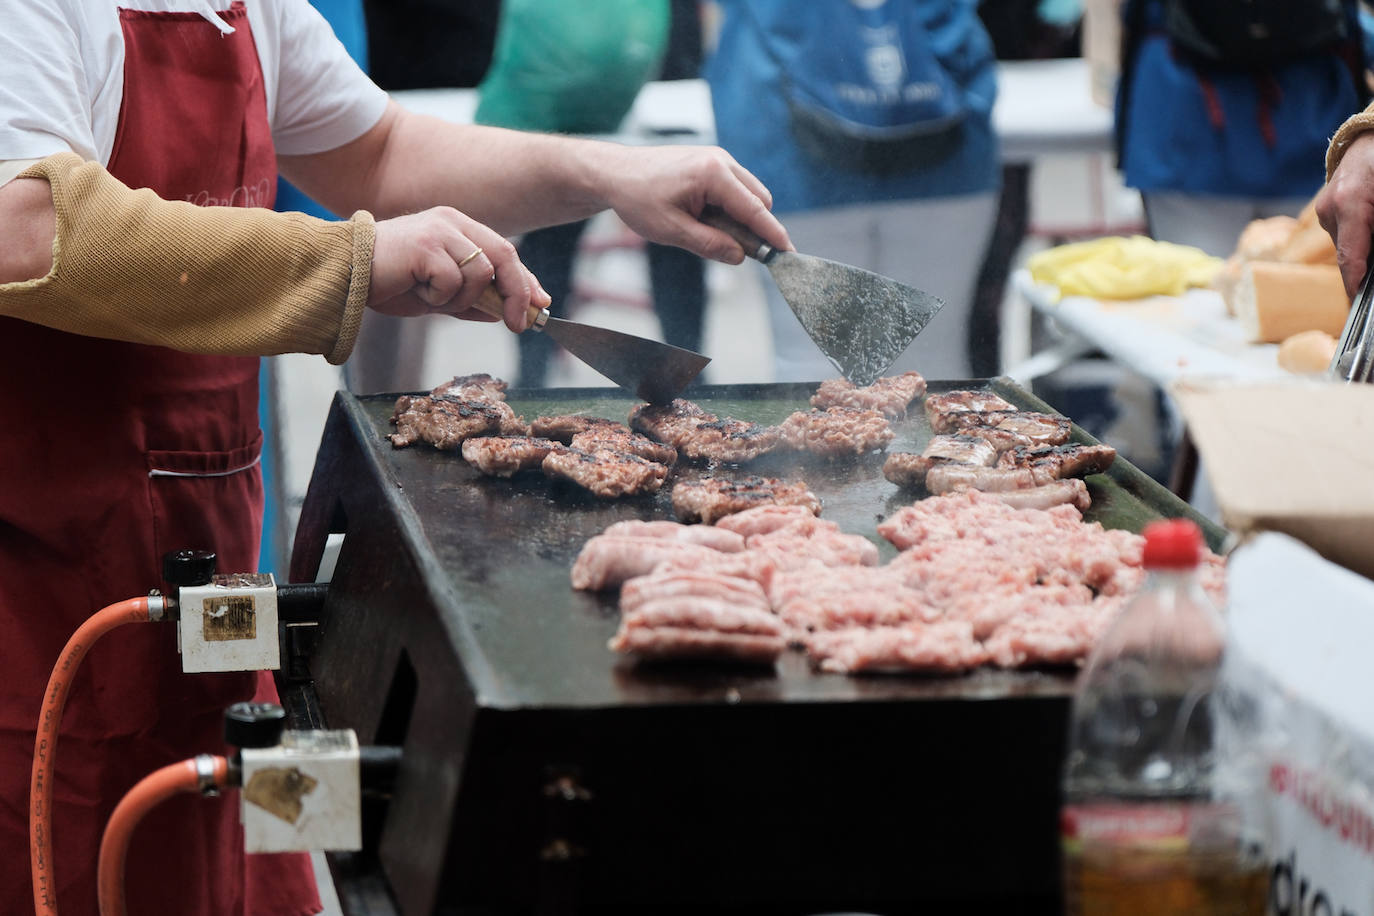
{"points": [[114, 454]]}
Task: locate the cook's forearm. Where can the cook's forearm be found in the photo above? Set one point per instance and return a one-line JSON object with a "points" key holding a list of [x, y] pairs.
{"points": [[511, 180]]}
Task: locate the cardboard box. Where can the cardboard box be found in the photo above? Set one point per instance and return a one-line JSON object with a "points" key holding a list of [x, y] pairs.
{"points": [[1293, 456]]}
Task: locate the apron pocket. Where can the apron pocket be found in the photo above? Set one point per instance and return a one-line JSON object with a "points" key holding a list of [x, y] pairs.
{"points": [[209, 500]]}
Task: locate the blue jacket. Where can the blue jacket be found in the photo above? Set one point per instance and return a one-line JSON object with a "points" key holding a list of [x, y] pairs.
{"points": [[756, 46], [1187, 127]]}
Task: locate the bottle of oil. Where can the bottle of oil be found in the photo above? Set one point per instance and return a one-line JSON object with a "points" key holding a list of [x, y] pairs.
{"points": [[1143, 831]]}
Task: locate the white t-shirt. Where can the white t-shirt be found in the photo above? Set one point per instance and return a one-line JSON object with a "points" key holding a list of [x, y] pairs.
{"points": [[62, 77]]}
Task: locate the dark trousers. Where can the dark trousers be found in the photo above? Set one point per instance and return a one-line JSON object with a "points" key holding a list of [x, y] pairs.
{"points": [[677, 280]]}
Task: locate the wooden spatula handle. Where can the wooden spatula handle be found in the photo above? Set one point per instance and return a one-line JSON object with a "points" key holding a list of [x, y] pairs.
{"points": [[490, 302], [717, 218]]}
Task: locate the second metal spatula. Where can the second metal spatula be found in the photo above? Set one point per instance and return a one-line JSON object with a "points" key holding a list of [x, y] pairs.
{"points": [[648, 369], [861, 321]]}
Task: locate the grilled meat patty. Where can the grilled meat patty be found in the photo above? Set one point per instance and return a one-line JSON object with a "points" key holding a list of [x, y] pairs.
{"points": [[606, 473], [710, 498], [445, 422], [504, 456], [620, 438], [836, 431], [667, 422], [702, 436], [477, 387], [562, 427], [890, 396]]}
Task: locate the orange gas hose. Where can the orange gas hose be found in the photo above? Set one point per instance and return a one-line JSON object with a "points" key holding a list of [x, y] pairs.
{"points": [[135, 610], [150, 791]]}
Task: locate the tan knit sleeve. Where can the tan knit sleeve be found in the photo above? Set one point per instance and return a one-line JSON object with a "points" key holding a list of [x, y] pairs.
{"points": [[128, 265], [1352, 128]]}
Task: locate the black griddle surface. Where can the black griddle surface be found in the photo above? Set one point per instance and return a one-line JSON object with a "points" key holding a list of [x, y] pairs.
{"points": [[499, 552]]}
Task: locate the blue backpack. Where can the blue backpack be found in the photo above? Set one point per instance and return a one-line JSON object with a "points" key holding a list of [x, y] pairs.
{"points": [[865, 89]]}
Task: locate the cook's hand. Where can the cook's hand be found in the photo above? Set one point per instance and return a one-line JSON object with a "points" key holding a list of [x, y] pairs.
{"points": [[660, 191], [1345, 208], [423, 264]]}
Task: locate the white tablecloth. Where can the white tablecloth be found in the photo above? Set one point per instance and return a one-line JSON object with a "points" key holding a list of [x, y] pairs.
{"points": [[1164, 338]]}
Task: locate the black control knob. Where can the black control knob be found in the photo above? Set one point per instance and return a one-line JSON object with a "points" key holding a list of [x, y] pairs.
{"points": [[183, 568], [254, 724]]}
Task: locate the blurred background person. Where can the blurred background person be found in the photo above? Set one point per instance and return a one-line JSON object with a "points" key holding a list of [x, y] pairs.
{"points": [[1223, 114], [576, 68], [1224, 110], [409, 44], [871, 123], [424, 44]]}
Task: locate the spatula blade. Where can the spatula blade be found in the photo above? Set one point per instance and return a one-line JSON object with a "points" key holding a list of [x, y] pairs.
{"points": [[861, 321], [649, 369]]}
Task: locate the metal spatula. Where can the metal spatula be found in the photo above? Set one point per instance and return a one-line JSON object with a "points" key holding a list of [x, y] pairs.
{"points": [[861, 321], [648, 369]]}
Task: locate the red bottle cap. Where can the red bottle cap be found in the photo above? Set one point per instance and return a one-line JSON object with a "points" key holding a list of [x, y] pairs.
{"points": [[1174, 543]]}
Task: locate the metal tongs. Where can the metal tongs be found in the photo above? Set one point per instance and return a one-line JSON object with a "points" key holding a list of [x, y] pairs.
{"points": [[1354, 361]]}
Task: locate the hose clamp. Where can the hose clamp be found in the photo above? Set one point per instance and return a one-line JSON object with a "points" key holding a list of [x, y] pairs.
{"points": [[205, 775], [159, 606]]}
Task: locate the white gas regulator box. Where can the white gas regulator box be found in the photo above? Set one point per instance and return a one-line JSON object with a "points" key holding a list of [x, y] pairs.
{"points": [[1295, 723], [229, 624], [304, 794]]}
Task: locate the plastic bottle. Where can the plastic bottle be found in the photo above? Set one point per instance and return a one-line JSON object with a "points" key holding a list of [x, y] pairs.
{"points": [[1142, 830]]}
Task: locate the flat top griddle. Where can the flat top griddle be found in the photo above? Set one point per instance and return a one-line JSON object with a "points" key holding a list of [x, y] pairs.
{"points": [[498, 551]]}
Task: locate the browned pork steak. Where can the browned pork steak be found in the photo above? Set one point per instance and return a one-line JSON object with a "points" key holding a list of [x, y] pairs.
{"points": [[710, 498], [1070, 460], [939, 406], [960, 449], [1013, 428], [606, 473], [563, 427], [445, 422], [621, 438], [503, 456], [890, 396], [956, 421], [837, 431]]}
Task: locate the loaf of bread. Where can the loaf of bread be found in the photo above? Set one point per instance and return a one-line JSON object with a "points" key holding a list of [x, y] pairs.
{"points": [[1308, 245], [1308, 351], [1274, 301], [1262, 239]]}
